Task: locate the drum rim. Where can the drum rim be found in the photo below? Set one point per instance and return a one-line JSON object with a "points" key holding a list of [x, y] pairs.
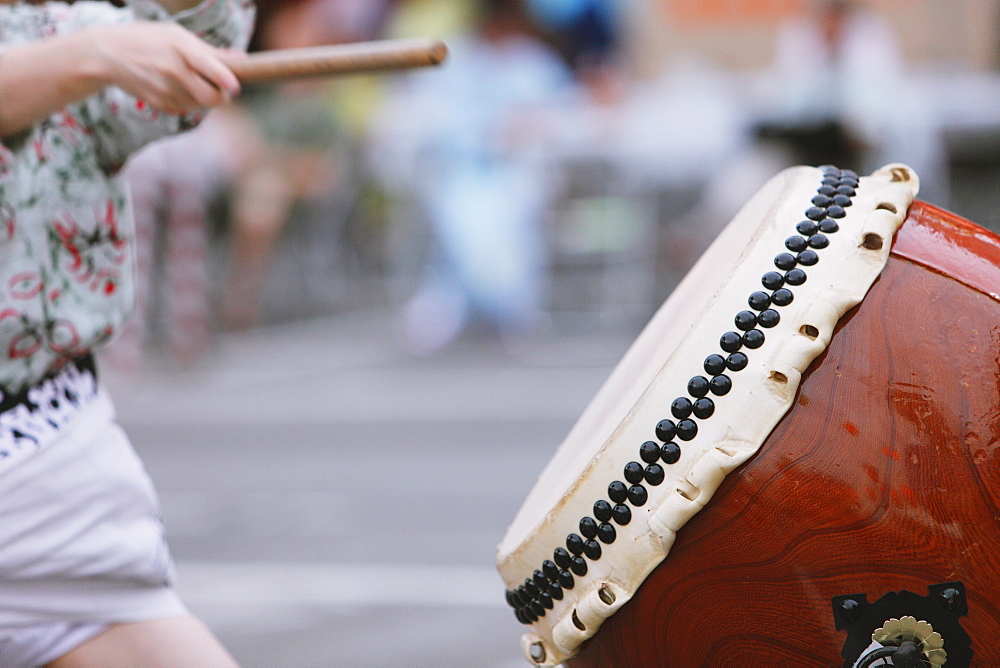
{"points": [[970, 253]]}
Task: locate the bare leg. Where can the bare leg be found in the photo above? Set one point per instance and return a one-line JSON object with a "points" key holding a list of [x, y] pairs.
{"points": [[177, 642]]}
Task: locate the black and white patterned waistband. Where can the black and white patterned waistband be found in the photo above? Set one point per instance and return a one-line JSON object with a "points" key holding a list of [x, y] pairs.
{"points": [[32, 417]]}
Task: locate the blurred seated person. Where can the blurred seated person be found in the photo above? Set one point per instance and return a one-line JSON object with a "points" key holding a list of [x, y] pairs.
{"points": [[284, 136], [836, 71]]}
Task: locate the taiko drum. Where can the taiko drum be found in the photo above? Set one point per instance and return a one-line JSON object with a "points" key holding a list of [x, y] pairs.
{"points": [[877, 495]]}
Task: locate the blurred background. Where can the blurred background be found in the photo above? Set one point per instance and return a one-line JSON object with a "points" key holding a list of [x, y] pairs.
{"points": [[371, 307]]}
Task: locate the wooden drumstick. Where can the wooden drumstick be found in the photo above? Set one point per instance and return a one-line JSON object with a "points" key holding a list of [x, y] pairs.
{"points": [[357, 58]]}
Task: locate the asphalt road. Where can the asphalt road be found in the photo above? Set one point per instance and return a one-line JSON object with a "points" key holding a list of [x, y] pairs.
{"points": [[334, 501]]}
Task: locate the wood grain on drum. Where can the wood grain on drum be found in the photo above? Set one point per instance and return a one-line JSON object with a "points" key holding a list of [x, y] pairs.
{"points": [[884, 476]]}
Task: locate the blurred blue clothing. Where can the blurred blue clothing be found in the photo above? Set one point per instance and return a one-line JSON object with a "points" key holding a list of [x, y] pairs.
{"points": [[482, 176], [562, 13], [588, 29]]}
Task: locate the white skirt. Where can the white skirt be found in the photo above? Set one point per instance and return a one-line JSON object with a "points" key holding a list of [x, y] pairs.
{"points": [[81, 542]]}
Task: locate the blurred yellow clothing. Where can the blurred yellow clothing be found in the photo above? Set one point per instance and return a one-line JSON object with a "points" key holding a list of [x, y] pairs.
{"points": [[432, 18], [353, 99]]}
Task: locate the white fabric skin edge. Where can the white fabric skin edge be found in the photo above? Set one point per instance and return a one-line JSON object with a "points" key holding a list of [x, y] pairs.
{"points": [[81, 542]]}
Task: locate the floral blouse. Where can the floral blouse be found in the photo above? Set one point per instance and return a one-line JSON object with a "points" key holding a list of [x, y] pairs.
{"points": [[66, 256]]}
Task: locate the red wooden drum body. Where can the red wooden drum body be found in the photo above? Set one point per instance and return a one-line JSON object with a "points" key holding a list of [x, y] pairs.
{"points": [[865, 516], [883, 477]]}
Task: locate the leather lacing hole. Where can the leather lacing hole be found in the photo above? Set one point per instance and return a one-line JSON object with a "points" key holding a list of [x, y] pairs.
{"points": [[887, 206], [577, 623], [537, 652], [606, 595], [809, 332], [685, 494], [872, 241], [779, 377], [900, 174]]}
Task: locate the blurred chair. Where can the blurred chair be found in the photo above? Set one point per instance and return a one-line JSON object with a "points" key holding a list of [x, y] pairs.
{"points": [[603, 250]]}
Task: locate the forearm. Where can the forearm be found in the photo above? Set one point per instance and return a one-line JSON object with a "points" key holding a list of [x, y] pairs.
{"points": [[39, 78], [160, 63]]}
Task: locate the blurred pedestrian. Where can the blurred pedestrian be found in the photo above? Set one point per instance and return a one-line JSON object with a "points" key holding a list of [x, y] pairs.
{"points": [[473, 138], [87, 576]]}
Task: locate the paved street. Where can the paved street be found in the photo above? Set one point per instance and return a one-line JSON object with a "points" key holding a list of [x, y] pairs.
{"points": [[333, 501]]}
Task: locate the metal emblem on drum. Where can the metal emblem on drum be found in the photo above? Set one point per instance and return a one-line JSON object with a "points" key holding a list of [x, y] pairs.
{"points": [[603, 531], [909, 629]]}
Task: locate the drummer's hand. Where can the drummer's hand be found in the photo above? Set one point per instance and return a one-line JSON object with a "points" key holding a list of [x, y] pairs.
{"points": [[162, 64]]}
